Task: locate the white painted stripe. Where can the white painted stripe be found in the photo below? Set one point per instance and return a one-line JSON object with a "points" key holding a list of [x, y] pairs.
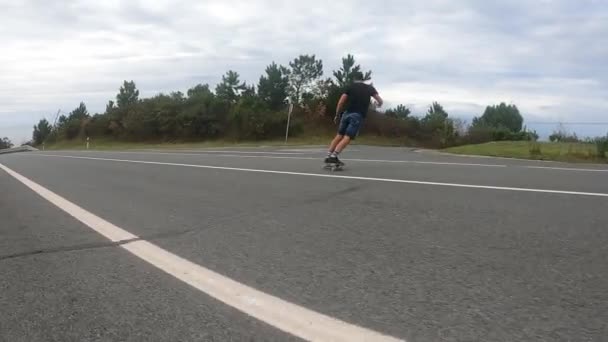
{"points": [[217, 151], [388, 180], [286, 316], [369, 160], [311, 150], [423, 162], [311, 158], [389, 161], [565, 169], [202, 154]]}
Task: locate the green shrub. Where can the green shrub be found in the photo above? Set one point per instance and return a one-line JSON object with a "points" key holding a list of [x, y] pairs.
{"points": [[601, 145], [98, 126], [483, 134], [562, 136], [252, 119], [380, 125]]}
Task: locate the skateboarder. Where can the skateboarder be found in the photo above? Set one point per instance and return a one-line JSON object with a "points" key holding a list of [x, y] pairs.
{"points": [[358, 95]]}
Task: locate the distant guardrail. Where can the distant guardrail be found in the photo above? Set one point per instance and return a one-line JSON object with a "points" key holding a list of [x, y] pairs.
{"points": [[18, 149]]}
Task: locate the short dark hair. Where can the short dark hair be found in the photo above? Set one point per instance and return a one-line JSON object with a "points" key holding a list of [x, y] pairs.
{"points": [[358, 76]]}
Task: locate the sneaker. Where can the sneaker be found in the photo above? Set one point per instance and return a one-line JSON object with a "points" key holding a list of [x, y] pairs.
{"points": [[333, 160], [330, 160]]}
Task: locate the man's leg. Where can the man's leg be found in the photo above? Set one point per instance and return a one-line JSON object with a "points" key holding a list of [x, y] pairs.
{"points": [[331, 153], [334, 143], [350, 133], [342, 144]]}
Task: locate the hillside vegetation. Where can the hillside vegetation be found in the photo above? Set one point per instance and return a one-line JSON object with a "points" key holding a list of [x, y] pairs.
{"points": [[237, 112]]}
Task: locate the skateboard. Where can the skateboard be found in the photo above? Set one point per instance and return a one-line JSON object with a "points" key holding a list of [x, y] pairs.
{"points": [[334, 166]]}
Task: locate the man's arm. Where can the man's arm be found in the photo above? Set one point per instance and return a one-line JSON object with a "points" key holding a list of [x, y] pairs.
{"points": [[378, 99], [340, 106]]}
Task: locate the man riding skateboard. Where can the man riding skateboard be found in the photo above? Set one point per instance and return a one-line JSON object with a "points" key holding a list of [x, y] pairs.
{"points": [[358, 95]]}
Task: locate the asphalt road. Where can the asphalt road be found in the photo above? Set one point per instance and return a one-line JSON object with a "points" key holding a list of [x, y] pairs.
{"points": [[417, 246]]}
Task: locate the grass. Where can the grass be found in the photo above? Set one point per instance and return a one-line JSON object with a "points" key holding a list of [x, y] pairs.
{"points": [[569, 152], [107, 144]]}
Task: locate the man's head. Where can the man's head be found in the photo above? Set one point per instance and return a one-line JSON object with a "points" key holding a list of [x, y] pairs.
{"points": [[357, 76]]}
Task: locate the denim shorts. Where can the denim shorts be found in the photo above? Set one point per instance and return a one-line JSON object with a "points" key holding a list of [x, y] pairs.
{"points": [[350, 124]]}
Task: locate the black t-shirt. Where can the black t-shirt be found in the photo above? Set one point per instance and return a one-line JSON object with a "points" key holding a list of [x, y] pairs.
{"points": [[359, 97]]}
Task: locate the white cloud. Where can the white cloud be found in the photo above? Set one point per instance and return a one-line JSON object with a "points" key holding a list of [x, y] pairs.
{"points": [[548, 57]]}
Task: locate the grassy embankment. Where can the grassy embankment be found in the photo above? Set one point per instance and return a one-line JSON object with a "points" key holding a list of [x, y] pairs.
{"points": [[567, 152]]}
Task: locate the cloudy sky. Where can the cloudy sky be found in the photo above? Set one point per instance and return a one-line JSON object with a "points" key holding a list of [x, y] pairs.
{"points": [[546, 56]]}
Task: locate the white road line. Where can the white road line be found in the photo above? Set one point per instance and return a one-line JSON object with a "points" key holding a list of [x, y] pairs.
{"points": [[572, 169], [565, 169], [286, 316], [311, 158], [216, 151], [423, 162], [388, 180], [311, 150]]}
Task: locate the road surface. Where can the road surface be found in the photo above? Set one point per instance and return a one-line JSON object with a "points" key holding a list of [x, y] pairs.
{"points": [[263, 245]]}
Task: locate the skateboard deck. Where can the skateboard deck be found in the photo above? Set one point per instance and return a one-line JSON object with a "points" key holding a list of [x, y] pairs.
{"points": [[333, 167]]}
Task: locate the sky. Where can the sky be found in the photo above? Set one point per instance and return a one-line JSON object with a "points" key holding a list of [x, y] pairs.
{"points": [[548, 57]]}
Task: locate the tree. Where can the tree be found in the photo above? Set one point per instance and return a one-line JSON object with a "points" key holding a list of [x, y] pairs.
{"points": [[202, 116], [400, 112], [230, 88], [249, 91], [345, 75], [98, 126], [110, 107], [79, 113], [435, 118], [305, 71], [155, 116], [70, 126], [438, 124], [72, 129], [199, 90], [502, 116], [436, 111], [5, 143], [273, 87], [177, 97], [125, 113], [127, 96], [41, 131], [62, 121]]}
